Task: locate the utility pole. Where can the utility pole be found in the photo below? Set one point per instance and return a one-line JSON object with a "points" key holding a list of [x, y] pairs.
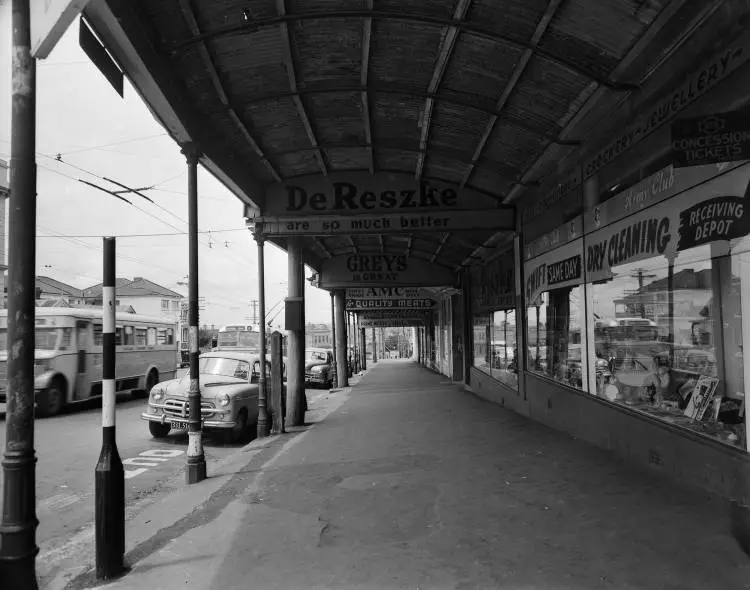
{"points": [[254, 304], [18, 547]]}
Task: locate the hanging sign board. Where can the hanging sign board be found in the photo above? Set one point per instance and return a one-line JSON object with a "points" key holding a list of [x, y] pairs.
{"points": [[392, 313], [557, 237], [385, 293], [383, 193], [377, 270], [493, 285], [364, 304], [556, 269], [712, 212], [394, 323], [396, 223], [722, 137]]}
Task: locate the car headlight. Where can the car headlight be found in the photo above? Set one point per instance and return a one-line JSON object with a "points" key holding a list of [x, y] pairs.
{"points": [[157, 393], [317, 369], [224, 400]]}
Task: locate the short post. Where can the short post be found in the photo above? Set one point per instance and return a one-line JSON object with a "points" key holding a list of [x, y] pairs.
{"points": [[374, 347], [109, 476], [278, 395], [262, 425], [196, 460], [334, 368], [363, 348]]}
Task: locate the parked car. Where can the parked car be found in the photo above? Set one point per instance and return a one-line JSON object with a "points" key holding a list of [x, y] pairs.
{"points": [[319, 367], [229, 396]]}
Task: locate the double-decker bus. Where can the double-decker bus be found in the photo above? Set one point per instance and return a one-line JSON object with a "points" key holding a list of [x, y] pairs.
{"points": [[68, 354]]}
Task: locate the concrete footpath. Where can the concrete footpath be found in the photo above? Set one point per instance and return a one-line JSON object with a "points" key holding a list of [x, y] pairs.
{"points": [[406, 481]]}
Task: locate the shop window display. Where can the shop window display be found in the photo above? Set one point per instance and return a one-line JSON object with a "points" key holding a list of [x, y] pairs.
{"points": [[495, 351], [554, 336], [668, 340]]}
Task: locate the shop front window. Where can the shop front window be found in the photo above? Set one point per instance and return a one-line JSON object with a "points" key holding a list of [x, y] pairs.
{"points": [[504, 352], [481, 332], [668, 340], [554, 336]]}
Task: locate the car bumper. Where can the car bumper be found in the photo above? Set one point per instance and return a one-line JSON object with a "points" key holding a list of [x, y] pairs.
{"points": [[164, 419], [311, 378]]}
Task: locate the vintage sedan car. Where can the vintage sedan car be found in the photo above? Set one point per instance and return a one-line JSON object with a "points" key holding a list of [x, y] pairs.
{"points": [[229, 396], [319, 367]]}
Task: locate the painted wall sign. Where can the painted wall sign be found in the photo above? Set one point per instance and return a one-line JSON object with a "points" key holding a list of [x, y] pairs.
{"points": [[362, 304], [496, 219], [695, 85], [395, 323], [379, 270], [385, 293], [697, 216], [661, 185], [571, 185], [557, 237], [357, 193], [555, 269], [722, 137]]}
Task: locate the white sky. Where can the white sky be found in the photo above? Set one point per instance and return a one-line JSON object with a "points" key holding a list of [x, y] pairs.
{"points": [[81, 117]]}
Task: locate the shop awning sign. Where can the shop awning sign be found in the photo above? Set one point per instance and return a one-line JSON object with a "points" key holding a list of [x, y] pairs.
{"points": [[394, 323], [371, 304], [721, 137], [385, 293]]}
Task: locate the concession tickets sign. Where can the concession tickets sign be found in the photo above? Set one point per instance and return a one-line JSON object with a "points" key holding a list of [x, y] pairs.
{"points": [[723, 137]]}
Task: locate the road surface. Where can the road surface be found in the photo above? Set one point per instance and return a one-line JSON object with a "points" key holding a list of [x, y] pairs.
{"points": [[67, 450]]}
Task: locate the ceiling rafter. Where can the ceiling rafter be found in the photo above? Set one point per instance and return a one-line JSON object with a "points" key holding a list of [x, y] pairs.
{"points": [[364, 78], [208, 62], [450, 36], [292, 73], [409, 246], [396, 146], [518, 72], [442, 243], [465, 99], [479, 30], [351, 241], [382, 243], [426, 256], [322, 246]]}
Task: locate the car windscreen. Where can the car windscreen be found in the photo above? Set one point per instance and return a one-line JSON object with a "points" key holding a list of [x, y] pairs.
{"points": [[315, 355], [225, 366]]}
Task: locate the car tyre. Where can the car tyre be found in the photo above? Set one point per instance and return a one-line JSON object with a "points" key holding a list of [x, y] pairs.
{"points": [[158, 430], [52, 399], [241, 428]]}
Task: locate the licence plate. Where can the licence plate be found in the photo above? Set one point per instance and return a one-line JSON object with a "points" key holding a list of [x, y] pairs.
{"points": [[178, 424]]}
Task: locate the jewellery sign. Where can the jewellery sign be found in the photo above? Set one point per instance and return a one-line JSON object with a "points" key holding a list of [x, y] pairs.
{"points": [[556, 269], [377, 270], [723, 137], [702, 215]]}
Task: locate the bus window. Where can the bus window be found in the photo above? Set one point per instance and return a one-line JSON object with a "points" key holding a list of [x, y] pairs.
{"points": [[170, 336], [151, 337], [67, 338], [98, 335], [129, 336], [118, 336], [140, 336], [161, 336]]}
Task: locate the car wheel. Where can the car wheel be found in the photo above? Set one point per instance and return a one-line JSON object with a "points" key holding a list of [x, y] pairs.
{"points": [[241, 428], [158, 430], [52, 399], [151, 379]]}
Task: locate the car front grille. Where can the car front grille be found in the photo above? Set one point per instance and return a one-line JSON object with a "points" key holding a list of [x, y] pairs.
{"points": [[181, 408]]}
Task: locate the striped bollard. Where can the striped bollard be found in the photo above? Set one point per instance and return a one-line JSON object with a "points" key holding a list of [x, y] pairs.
{"points": [[109, 475]]}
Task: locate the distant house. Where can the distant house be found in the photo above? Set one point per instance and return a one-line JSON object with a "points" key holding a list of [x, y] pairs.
{"points": [[50, 291], [318, 336]]}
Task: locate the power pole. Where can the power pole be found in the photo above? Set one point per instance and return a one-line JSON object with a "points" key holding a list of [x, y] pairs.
{"points": [[254, 304]]}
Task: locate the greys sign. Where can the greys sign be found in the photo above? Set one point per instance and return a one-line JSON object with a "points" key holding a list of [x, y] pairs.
{"points": [[378, 270]]}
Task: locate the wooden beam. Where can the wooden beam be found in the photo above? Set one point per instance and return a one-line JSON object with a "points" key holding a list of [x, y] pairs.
{"points": [[450, 35], [382, 243], [442, 243], [409, 246], [541, 28], [323, 247], [213, 74], [351, 241], [292, 74]]}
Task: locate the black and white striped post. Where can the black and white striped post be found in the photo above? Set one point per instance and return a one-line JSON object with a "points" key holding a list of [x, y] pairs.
{"points": [[109, 476], [196, 460]]}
